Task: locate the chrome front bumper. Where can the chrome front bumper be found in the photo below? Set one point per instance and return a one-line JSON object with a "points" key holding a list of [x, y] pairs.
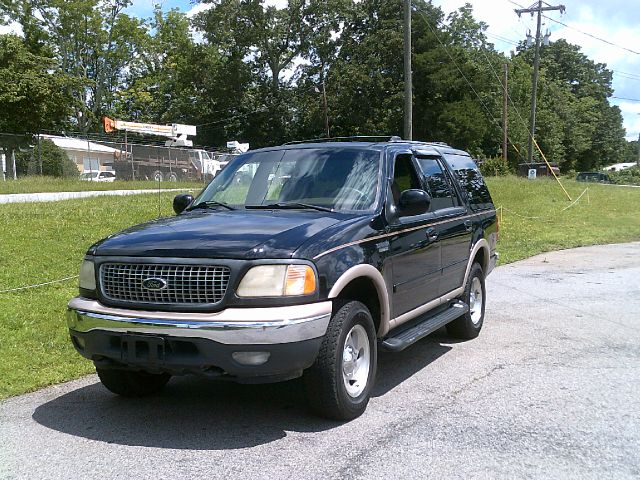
{"points": [[233, 326]]}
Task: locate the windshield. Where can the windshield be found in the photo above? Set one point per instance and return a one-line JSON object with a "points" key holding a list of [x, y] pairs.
{"points": [[340, 179], [89, 175]]}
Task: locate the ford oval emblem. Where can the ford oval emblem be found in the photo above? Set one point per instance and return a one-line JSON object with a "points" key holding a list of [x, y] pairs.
{"points": [[154, 283]]}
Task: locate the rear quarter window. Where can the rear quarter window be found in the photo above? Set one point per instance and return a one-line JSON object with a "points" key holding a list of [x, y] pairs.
{"points": [[473, 185]]}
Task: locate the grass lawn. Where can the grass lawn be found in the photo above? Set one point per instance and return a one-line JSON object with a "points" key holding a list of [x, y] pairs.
{"points": [[46, 241], [533, 220], [37, 184]]}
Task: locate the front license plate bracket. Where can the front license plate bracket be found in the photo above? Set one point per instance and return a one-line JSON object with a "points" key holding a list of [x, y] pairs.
{"points": [[142, 349]]}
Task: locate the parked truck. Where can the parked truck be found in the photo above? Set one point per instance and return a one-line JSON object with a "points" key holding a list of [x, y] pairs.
{"points": [[150, 162], [174, 161]]}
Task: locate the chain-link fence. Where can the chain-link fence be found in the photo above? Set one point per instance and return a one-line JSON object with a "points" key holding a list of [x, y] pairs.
{"points": [[106, 159]]}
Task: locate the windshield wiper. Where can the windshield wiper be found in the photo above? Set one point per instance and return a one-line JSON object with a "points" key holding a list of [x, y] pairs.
{"points": [[211, 203], [291, 205]]}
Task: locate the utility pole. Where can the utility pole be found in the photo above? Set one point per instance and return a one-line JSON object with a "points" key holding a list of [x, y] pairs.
{"points": [[505, 113], [536, 63], [326, 110], [638, 161], [408, 88], [39, 154]]}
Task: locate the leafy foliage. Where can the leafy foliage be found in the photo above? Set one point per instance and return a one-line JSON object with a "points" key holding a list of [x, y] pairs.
{"points": [[32, 93], [494, 167], [243, 70], [629, 176], [54, 160]]}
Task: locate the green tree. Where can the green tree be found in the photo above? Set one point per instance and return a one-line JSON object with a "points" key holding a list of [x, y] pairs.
{"points": [[457, 90], [33, 95], [55, 162], [576, 125], [267, 41], [92, 40]]}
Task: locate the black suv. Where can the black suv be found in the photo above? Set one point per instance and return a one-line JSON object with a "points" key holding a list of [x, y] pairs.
{"points": [[305, 258], [593, 177]]}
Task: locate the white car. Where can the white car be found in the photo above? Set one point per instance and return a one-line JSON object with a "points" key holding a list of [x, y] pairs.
{"points": [[98, 176]]}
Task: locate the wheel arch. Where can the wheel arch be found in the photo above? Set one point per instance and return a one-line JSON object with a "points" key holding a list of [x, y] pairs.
{"points": [[360, 282], [479, 253]]}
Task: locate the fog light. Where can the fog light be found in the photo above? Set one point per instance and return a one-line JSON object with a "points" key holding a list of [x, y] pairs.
{"points": [[251, 358]]}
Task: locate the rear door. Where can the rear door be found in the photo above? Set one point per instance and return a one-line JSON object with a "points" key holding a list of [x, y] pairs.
{"points": [[452, 224]]}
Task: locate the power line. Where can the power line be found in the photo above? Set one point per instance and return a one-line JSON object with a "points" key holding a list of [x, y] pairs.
{"points": [[592, 36], [582, 32], [213, 113], [513, 105], [239, 115], [502, 39], [446, 49], [627, 99], [627, 73], [625, 76]]}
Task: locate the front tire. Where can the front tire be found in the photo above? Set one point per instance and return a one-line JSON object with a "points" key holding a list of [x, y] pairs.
{"points": [[340, 381], [468, 326], [128, 383]]}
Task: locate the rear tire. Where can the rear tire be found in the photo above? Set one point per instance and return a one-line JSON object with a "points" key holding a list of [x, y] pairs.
{"points": [[172, 177], [340, 381], [468, 326], [157, 176], [132, 384]]}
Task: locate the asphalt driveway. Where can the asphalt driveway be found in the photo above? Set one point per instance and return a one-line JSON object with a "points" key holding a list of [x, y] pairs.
{"points": [[551, 389]]}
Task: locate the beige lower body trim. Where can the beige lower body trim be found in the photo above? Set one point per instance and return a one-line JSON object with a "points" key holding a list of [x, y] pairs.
{"points": [[416, 312], [371, 273]]}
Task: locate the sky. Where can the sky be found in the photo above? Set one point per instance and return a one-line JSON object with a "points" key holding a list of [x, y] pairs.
{"points": [[613, 21]]}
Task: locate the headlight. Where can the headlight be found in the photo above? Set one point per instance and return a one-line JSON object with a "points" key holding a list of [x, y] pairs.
{"points": [[278, 281], [87, 275]]}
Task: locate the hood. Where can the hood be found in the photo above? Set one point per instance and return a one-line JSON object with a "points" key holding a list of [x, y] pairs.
{"points": [[239, 234]]}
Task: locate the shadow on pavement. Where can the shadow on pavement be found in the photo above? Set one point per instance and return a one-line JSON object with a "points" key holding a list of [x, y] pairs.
{"points": [[199, 414]]}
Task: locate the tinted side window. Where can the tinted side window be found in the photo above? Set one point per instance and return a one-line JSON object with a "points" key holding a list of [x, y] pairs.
{"points": [[442, 196], [471, 180]]}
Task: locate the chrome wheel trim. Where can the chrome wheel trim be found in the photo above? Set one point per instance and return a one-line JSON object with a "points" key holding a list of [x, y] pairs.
{"points": [[356, 361], [476, 300]]}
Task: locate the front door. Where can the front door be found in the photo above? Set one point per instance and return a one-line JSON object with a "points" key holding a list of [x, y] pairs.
{"points": [[414, 247]]}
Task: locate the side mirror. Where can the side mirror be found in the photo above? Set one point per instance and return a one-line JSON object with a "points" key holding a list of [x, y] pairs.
{"points": [[414, 202], [181, 202]]}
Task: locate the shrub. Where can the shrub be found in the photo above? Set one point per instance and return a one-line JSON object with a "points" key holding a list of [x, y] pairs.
{"points": [[629, 176], [494, 167], [55, 162]]}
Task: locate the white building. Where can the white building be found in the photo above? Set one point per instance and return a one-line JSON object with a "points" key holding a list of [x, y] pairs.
{"points": [[616, 167], [88, 156]]}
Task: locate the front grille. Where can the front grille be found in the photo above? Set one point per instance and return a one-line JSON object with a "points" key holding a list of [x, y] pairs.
{"points": [[163, 284]]}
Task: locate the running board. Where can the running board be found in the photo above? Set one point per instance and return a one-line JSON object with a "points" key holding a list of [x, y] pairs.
{"points": [[422, 327]]}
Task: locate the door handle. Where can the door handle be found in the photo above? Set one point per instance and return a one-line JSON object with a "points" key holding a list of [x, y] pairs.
{"points": [[468, 225], [432, 234]]}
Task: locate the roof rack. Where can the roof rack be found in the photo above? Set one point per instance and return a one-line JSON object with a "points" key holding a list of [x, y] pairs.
{"points": [[368, 138]]}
